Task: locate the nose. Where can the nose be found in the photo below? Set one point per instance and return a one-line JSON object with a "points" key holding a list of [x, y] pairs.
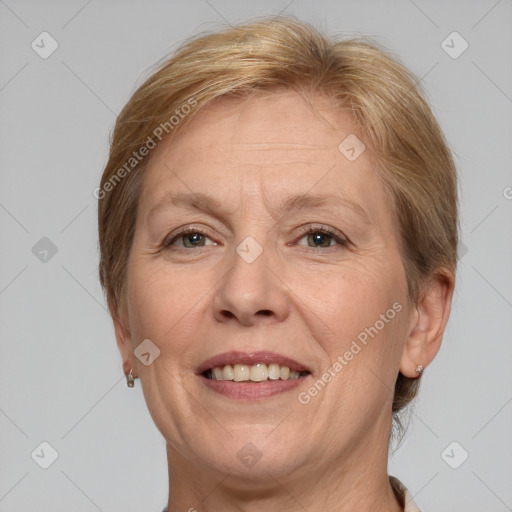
{"points": [[251, 292]]}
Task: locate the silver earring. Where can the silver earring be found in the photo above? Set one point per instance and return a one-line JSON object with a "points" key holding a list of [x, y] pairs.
{"points": [[130, 381], [419, 370]]}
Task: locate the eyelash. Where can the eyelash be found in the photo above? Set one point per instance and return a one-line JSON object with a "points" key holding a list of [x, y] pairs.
{"points": [[326, 230], [185, 231], [310, 229]]}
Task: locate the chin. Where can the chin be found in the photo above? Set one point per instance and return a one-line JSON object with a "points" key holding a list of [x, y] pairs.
{"points": [[256, 458]]}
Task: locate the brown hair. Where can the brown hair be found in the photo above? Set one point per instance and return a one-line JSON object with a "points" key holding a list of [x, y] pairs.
{"points": [[402, 137]]}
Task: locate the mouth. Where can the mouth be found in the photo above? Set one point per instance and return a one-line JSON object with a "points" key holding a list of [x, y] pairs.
{"points": [[258, 372], [251, 375]]}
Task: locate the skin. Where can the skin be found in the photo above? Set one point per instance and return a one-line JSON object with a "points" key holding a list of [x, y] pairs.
{"points": [[296, 298]]}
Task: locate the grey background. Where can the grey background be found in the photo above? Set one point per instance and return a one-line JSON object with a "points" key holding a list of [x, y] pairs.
{"points": [[61, 378]]}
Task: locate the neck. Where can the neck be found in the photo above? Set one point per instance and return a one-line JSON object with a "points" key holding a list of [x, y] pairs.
{"points": [[350, 482]]}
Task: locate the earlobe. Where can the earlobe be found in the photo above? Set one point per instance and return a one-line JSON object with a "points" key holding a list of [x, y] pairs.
{"points": [[124, 342], [428, 325]]}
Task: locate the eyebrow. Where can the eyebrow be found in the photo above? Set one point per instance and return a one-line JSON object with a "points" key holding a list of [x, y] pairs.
{"points": [[190, 201], [309, 201], [203, 202]]}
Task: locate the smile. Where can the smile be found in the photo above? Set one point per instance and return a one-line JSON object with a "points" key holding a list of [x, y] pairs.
{"points": [[253, 373]]}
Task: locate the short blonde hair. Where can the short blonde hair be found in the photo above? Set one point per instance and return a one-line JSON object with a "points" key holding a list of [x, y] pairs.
{"points": [[403, 139]]}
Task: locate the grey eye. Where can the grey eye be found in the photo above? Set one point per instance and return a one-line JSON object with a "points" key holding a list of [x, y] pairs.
{"points": [[319, 239], [193, 240]]}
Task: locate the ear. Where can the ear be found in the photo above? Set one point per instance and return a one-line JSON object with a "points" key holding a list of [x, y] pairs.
{"points": [[124, 338], [428, 323]]}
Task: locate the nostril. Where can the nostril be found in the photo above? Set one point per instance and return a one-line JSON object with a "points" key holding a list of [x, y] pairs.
{"points": [[229, 314]]}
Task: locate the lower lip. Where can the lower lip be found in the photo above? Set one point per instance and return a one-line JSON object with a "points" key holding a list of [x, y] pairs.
{"points": [[252, 390]]}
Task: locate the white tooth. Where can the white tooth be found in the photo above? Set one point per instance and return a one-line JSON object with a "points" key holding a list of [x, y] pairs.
{"points": [[217, 374], [256, 373], [273, 371], [285, 372], [227, 372], [241, 372], [259, 372]]}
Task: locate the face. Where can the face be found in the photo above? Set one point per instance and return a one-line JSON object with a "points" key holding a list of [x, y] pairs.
{"points": [[256, 235]]}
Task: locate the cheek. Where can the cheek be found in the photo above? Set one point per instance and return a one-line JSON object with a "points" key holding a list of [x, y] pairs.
{"points": [[358, 320], [345, 301], [162, 300], [356, 313]]}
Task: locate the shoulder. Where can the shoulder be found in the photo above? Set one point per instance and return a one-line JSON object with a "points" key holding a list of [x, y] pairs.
{"points": [[403, 495]]}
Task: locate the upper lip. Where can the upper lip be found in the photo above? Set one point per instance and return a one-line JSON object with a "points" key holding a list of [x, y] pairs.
{"points": [[250, 358]]}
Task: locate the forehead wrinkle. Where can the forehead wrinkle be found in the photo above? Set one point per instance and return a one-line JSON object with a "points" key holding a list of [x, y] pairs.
{"points": [[311, 201], [192, 201], [284, 144], [284, 153], [208, 204]]}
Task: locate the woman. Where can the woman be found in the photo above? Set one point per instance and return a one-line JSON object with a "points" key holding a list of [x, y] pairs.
{"points": [[278, 237]]}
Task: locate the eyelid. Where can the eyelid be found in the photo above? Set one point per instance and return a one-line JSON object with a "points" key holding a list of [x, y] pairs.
{"points": [[304, 230], [317, 227], [191, 228]]}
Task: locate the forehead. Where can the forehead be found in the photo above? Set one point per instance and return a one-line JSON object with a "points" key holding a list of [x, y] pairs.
{"points": [[282, 123], [272, 144]]}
